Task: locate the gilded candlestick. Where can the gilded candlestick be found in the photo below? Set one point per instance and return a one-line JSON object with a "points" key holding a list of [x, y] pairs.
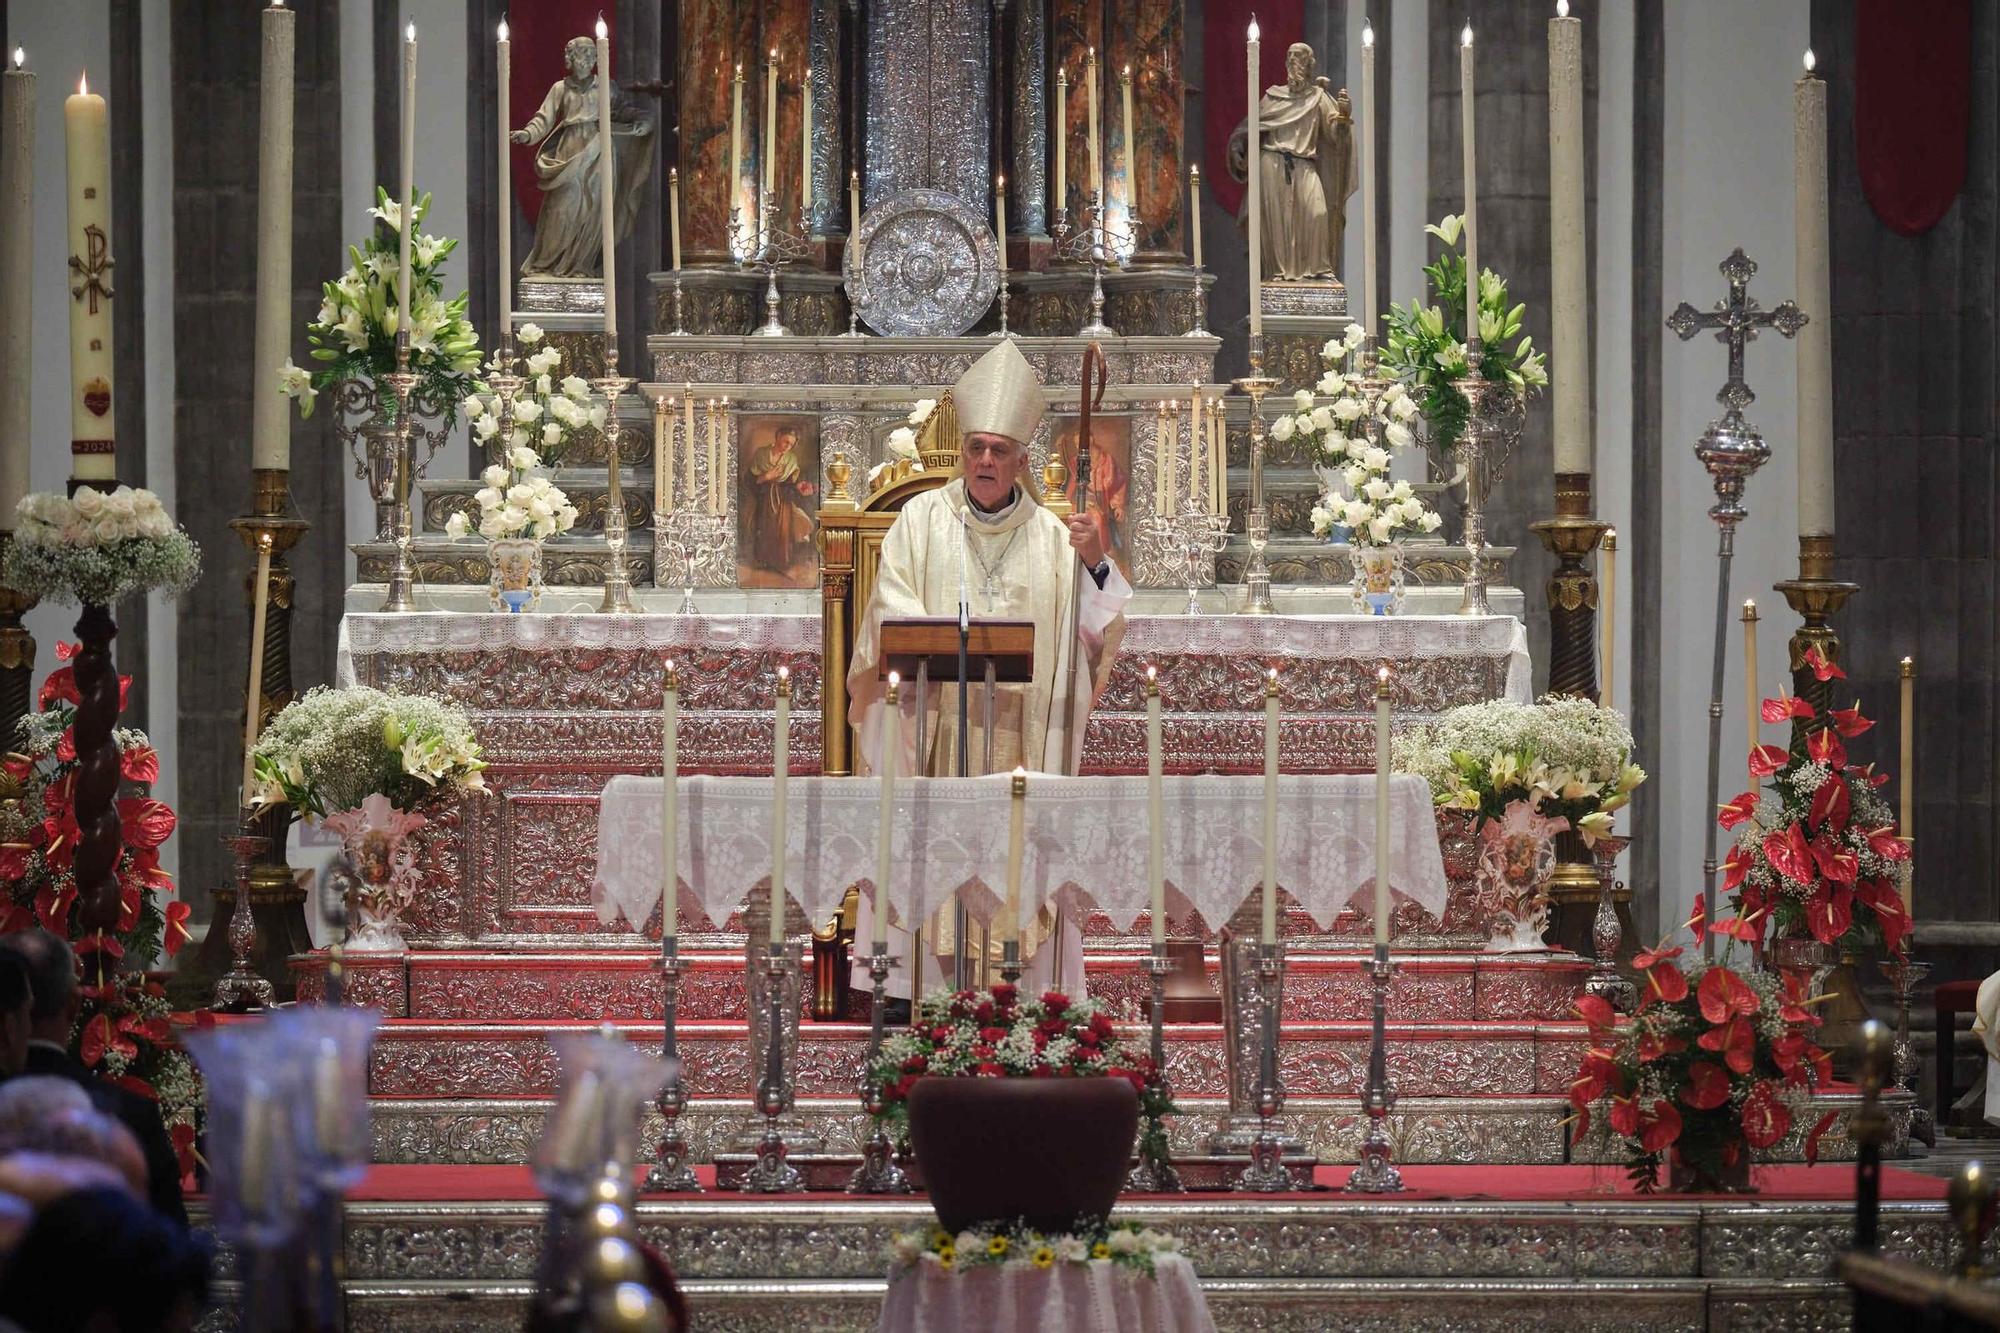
{"points": [[1815, 596]]}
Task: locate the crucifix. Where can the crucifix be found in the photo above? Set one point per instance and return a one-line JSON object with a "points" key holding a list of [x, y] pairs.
{"points": [[1730, 449]]}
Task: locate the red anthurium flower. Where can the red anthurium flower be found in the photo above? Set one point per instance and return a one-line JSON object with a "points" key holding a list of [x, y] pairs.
{"points": [[1822, 669], [130, 896], [1740, 810], [1849, 722], [1885, 844], [59, 688], [1661, 1127], [1735, 1041], [1788, 854], [141, 763], [14, 858], [1830, 913], [1624, 1117], [175, 933], [1813, 1135], [1598, 1073], [1708, 1086], [1795, 1007], [1748, 927], [100, 1037], [1735, 868], [66, 746], [1724, 995], [66, 651], [1652, 1046], [1666, 981], [1786, 707], [1768, 759], [1836, 861], [1646, 958], [98, 942], [1882, 897], [1697, 922], [52, 907], [1831, 805], [1597, 1014], [138, 1087], [1765, 1117], [1824, 747], [147, 823], [1788, 1053]]}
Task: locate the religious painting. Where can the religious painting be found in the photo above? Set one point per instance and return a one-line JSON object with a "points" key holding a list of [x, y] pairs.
{"points": [[777, 501], [1110, 473]]}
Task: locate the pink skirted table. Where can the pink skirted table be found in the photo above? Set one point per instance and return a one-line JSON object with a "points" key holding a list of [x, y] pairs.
{"points": [[1095, 1297]]}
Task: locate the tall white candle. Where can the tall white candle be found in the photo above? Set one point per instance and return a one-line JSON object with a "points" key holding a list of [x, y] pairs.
{"points": [[854, 219], [806, 153], [270, 411], [769, 173], [674, 212], [607, 187], [1366, 131], [17, 255], [504, 63], [1382, 806], [1607, 581], [1471, 169], [1253, 161], [1194, 208], [1017, 845], [1061, 199], [1752, 710], [670, 802], [666, 450], [1815, 294], [253, 695], [780, 772], [406, 181], [736, 139], [1218, 456], [1269, 934], [892, 759], [1569, 315], [87, 137], [1156, 880], [1000, 223], [1131, 148], [1096, 147]]}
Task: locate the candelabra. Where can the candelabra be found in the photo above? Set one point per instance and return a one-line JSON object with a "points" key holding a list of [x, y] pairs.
{"points": [[878, 1172], [1267, 1173], [1478, 482], [1376, 1174], [1570, 537], [241, 989], [1098, 243], [1731, 450], [617, 573], [1815, 597], [688, 535], [1155, 1172], [1190, 534], [1606, 933], [1257, 522], [769, 247], [772, 1174], [401, 592], [1904, 973], [670, 1171]]}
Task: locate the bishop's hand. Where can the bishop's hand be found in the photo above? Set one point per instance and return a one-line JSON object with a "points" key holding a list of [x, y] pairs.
{"points": [[1086, 540]]}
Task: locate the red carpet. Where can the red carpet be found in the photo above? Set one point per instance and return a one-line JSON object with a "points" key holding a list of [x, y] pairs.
{"points": [[1490, 1184]]}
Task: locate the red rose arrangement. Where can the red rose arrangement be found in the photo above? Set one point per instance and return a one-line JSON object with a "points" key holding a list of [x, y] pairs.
{"points": [[1817, 853], [125, 1033], [1711, 1067], [999, 1034]]}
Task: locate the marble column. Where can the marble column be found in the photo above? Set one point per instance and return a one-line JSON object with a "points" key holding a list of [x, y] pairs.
{"points": [[1148, 36], [714, 36], [1074, 26], [788, 31]]}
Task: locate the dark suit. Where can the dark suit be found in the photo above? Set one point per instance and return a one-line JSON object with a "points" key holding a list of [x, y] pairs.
{"points": [[136, 1113]]}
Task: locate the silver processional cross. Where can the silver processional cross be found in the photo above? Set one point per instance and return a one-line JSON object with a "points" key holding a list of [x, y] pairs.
{"points": [[1730, 449]]}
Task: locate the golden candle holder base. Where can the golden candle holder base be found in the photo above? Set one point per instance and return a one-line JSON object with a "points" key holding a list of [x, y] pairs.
{"points": [[1816, 597], [1572, 536], [17, 655]]}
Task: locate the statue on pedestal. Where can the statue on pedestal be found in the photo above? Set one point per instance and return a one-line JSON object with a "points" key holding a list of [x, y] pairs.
{"points": [[1307, 160], [569, 237]]}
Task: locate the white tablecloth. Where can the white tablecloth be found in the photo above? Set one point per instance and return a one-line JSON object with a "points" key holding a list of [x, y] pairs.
{"points": [[369, 633], [1096, 1297], [1086, 843]]}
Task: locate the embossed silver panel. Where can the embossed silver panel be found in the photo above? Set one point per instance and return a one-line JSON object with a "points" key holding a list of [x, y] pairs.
{"points": [[932, 266]]}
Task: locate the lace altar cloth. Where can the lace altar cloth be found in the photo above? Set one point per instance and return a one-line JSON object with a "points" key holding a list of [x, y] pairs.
{"points": [[1064, 1298], [1366, 638], [1086, 844], [364, 634]]}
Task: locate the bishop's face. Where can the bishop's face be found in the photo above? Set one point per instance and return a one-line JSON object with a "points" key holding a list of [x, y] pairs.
{"points": [[993, 464]]}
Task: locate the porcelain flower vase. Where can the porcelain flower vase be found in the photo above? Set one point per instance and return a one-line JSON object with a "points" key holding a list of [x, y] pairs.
{"points": [[376, 837], [1517, 855], [514, 583], [1378, 579]]}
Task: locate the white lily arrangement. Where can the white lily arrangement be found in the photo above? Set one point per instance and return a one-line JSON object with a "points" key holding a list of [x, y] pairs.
{"points": [[516, 500], [1357, 436], [96, 547], [353, 336], [901, 447], [547, 412]]}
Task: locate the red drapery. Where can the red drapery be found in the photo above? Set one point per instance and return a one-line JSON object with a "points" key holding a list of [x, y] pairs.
{"points": [[539, 30], [1226, 72], [1912, 107]]}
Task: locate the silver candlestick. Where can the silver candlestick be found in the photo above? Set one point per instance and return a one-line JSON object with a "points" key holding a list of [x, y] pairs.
{"points": [[670, 1171], [1606, 982], [1257, 522], [1200, 310], [1267, 1173], [1731, 450], [1155, 1172], [1192, 534], [1478, 481], [769, 247], [772, 1174], [878, 1172], [401, 592], [1098, 243], [680, 329], [1904, 973], [1376, 1174], [692, 536], [617, 573], [242, 988]]}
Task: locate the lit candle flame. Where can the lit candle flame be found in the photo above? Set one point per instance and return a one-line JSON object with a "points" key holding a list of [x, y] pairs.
{"points": [[1254, 35], [1128, 74], [20, 57], [410, 32], [895, 679], [784, 673], [1810, 62], [1367, 33], [602, 31], [1152, 673], [1749, 606], [503, 30], [1562, 9], [1382, 675], [1465, 38], [1000, 184], [82, 85]]}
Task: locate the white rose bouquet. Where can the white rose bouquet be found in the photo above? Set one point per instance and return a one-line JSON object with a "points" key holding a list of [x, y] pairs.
{"points": [[516, 500], [547, 412], [97, 547], [353, 336], [1357, 435]]}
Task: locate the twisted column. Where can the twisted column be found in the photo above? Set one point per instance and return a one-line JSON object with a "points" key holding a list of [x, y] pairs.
{"points": [[97, 771]]}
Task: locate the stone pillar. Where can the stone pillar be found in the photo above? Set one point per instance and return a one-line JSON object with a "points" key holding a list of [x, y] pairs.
{"points": [[1074, 26], [714, 36], [1148, 35], [1028, 175]]}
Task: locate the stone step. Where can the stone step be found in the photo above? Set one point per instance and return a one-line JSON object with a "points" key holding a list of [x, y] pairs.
{"points": [[624, 985]]}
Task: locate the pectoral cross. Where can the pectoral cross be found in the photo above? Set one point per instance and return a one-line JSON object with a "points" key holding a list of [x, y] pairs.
{"points": [[1736, 322], [93, 271]]}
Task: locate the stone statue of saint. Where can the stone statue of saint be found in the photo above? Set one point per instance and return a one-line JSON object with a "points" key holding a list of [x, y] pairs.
{"points": [[1305, 170], [569, 238]]}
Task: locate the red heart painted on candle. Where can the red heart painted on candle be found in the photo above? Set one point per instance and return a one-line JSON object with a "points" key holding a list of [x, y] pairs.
{"points": [[97, 396]]}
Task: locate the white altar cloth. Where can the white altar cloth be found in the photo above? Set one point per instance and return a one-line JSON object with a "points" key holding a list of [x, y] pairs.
{"points": [[1086, 844], [1096, 1297], [370, 633]]}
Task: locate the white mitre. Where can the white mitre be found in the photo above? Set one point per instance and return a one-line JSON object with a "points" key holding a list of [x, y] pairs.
{"points": [[999, 395]]}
